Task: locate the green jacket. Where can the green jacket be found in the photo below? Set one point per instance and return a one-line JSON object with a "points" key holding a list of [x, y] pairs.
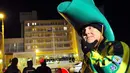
{"points": [[110, 57]]}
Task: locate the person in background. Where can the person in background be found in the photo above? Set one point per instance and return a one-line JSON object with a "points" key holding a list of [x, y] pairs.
{"points": [[29, 68], [43, 68], [13, 67]]}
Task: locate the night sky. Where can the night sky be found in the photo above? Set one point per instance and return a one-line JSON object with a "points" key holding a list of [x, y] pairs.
{"points": [[116, 11]]}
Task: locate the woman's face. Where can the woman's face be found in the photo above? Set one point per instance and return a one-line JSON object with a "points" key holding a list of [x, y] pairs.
{"points": [[91, 34]]}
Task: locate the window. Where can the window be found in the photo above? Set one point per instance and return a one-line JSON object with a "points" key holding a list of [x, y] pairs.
{"points": [[28, 47], [33, 23], [65, 28], [67, 45], [28, 24], [59, 45]]}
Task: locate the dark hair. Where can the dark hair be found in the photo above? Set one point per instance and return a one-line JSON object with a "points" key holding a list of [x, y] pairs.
{"points": [[43, 63], [30, 63], [14, 61], [96, 25]]}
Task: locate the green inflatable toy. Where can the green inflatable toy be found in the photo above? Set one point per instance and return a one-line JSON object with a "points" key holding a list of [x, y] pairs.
{"points": [[82, 12]]}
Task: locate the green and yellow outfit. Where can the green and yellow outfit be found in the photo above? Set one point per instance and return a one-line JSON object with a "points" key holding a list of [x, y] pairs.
{"points": [[109, 57]]}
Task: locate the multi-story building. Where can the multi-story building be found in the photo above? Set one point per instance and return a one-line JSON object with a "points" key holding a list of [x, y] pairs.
{"points": [[23, 16], [50, 38]]}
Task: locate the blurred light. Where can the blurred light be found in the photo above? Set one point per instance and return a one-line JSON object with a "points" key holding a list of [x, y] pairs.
{"points": [[35, 24], [0, 61], [14, 44], [75, 55], [37, 58], [0, 52], [28, 24], [34, 29], [32, 23], [46, 57], [37, 50], [1, 15], [65, 28]]}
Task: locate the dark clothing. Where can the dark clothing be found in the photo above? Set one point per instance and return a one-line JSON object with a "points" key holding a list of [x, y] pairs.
{"points": [[43, 69], [12, 69], [29, 70]]}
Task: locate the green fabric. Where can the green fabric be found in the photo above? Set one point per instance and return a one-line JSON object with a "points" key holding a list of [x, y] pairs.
{"points": [[82, 12]]}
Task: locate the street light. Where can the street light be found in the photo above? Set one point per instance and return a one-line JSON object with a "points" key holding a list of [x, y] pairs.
{"points": [[2, 46]]}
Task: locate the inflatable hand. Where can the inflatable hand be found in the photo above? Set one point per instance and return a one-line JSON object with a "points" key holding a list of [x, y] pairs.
{"points": [[81, 12]]}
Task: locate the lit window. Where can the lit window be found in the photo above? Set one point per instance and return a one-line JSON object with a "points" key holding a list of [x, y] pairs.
{"points": [[34, 41], [0, 52], [65, 28], [37, 50], [28, 24], [1, 61], [32, 23], [14, 45], [66, 34], [35, 46], [28, 47], [37, 58], [35, 24], [33, 29]]}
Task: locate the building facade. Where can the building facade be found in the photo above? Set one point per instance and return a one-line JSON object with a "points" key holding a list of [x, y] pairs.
{"points": [[54, 40], [50, 38], [23, 16], [14, 45]]}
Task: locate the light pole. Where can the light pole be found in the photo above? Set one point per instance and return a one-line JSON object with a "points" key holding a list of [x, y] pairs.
{"points": [[2, 46]]}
